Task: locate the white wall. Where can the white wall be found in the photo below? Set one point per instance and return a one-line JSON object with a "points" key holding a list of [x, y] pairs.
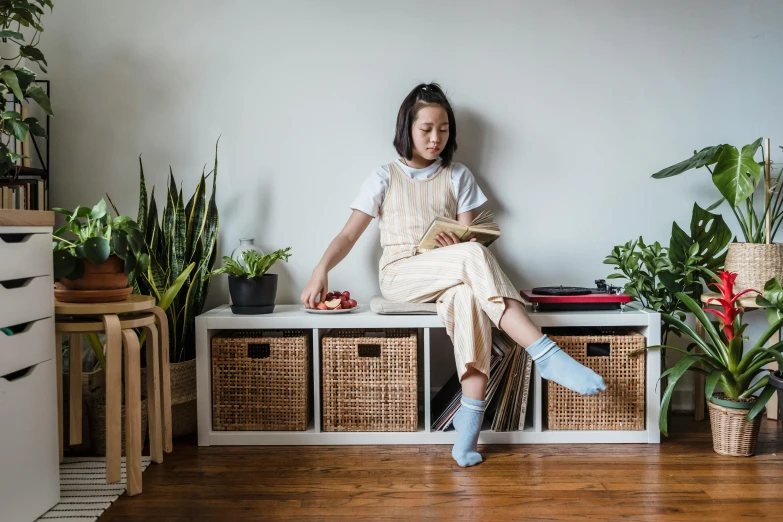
{"points": [[564, 109]]}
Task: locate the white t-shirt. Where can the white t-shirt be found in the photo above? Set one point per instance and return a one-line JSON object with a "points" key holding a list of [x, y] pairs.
{"points": [[463, 184]]}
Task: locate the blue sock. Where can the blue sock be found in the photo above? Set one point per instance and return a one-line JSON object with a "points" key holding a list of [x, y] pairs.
{"points": [[467, 422], [555, 365]]}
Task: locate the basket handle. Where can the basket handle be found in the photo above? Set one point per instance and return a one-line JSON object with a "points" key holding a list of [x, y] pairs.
{"points": [[258, 350], [599, 350], [369, 350]]}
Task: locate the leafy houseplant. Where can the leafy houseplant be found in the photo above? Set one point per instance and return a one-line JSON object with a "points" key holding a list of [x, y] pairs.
{"points": [[252, 290], [97, 239], [14, 15], [722, 357], [655, 273]]}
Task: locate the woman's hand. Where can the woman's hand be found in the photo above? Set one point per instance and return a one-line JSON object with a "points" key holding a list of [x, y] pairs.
{"points": [[446, 239], [318, 284]]}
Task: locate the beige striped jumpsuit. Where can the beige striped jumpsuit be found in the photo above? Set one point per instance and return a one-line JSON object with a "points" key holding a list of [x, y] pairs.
{"points": [[464, 279]]}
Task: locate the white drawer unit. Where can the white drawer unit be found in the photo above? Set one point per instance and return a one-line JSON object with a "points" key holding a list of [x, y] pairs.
{"points": [[33, 343], [29, 470], [25, 255], [29, 448]]}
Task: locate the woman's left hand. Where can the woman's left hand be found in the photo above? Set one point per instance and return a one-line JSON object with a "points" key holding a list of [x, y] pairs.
{"points": [[450, 238]]}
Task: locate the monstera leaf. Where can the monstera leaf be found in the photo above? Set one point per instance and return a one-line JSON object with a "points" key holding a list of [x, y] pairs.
{"points": [[706, 156], [737, 174], [709, 231]]}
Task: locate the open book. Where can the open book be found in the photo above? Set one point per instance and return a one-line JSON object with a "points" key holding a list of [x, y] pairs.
{"points": [[482, 228]]}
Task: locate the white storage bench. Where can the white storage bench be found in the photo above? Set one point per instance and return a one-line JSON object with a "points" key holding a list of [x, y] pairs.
{"points": [[221, 319]]}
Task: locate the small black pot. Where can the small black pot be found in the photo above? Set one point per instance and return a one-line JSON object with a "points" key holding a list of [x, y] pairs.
{"points": [[777, 381], [251, 296]]}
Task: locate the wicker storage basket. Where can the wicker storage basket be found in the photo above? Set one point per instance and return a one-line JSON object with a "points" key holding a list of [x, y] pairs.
{"points": [[621, 405], [183, 398], [369, 380], [97, 409], [261, 380], [732, 434], [754, 263]]}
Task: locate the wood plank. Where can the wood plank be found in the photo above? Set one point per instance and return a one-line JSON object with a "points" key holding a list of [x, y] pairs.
{"points": [[26, 218], [132, 412], [681, 479], [75, 395]]}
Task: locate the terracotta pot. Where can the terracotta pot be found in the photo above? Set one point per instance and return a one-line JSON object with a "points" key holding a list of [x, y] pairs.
{"points": [[109, 275]]}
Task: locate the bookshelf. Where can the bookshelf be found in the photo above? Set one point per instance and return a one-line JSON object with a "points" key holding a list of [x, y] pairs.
{"points": [[27, 185], [221, 319]]}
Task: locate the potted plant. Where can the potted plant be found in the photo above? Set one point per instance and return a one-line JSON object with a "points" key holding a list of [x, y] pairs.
{"points": [[19, 80], [95, 262], [182, 245], [736, 174], [734, 413], [655, 273], [252, 290]]}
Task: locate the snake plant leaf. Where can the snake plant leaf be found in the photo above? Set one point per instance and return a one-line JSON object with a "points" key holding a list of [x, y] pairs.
{"points": [[179, 238], [171, 292], [706, 156], [143, 212], [196, 217], [736, 173], [97, 250]]}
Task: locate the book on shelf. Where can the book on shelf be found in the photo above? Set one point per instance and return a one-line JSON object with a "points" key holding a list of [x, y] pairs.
{"points": [[24, 193], [507, 389], [482, 228]]}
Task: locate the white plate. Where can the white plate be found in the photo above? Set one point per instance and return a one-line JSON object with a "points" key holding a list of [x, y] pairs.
{"points": [[341, 311]]}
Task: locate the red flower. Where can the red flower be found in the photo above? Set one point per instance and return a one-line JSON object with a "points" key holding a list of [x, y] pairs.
{"points": [[728, 302]]}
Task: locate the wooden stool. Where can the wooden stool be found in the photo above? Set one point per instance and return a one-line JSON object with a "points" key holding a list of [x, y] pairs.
{"points": [[104, 317]]}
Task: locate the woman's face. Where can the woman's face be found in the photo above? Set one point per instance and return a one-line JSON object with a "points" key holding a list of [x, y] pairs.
{"points": [[430, 132]]}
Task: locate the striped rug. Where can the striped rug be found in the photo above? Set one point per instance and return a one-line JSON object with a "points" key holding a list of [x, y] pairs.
{"points": [[84, 493]]}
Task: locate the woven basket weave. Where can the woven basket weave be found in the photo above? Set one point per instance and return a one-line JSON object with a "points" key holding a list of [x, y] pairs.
{"points": [[183, 398], [732, 434], [97, 409], [369, 380], [755, 264], [261, 380], [621, 405]]}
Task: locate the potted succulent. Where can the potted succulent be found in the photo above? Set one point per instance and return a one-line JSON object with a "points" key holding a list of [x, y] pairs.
{"points": [[252, 290], [736, 174], [734, 413], [17, 79], [95, 262]]}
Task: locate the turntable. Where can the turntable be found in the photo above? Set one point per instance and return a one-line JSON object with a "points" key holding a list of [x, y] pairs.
{"points": [[575, 298]]}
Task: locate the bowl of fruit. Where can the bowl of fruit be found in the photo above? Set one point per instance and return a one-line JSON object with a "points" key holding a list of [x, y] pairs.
{"points": [[335, 303]]}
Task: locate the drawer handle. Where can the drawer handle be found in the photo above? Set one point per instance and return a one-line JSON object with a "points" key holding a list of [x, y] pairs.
{"points": [[598, 350], [15, 237], [369, 350], [20, 328], [257, 350], [19, 374], [16, 283]]}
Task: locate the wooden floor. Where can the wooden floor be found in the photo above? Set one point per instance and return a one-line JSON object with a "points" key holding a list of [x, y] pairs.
{"points": [[680, 479]]}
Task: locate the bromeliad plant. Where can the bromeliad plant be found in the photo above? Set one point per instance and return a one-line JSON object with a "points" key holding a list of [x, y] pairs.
{"points": [[255, 264], [723, 360], [96, 236]]}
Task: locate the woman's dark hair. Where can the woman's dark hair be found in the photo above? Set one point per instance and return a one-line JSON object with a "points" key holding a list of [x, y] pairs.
{"points": [[423, 95]]}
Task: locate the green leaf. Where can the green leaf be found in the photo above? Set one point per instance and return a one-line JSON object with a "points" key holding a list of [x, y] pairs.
{"points": [[196, 219], [9, 77], [705, 156], [99, 210], [64, 263], [6, 33], [25, 77], [119, 241], [172, 291], [130, 263], [143, 218], [711, 382], [737, 174], [761, 401], [37, 93], [675, 373], [9, 115], [17, 128], [35, 128], [97, 250], [33, 53], [179, 238]]}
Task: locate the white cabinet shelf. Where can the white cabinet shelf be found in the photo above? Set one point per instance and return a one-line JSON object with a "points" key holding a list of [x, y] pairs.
{"points": [[292, 317]]}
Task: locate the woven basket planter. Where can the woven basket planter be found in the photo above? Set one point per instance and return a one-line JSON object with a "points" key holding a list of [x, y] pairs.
{"points": [[621, 405], [755, 264], [183, 398], [261, 380], [732, 434], [369, 380], [97, 409]]}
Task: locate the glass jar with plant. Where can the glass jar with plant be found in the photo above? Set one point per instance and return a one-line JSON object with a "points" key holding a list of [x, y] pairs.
{"points": [[94, 251], [737, 174], [252, 290], [20, 19], [734, 411]]}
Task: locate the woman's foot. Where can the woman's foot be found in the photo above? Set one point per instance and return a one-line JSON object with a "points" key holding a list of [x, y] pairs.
{"points": [[555, 365], [467, 422]]}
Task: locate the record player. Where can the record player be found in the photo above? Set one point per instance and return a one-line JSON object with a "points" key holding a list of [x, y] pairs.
{"points": [[575, 298]]}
